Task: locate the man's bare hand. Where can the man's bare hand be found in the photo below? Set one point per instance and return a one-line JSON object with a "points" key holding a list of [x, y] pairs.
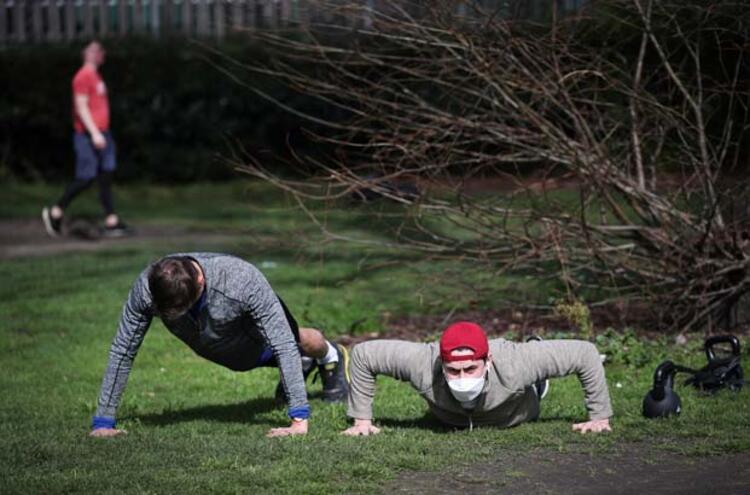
{"points": [[362, 427], [107, 432], [99, 141], [296, 428], [594, 426]]}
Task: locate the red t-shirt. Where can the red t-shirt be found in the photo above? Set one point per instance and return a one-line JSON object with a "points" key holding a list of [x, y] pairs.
{"points": [[87, 81]]}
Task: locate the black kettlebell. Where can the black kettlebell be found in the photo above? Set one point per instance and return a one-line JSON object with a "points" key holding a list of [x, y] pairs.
{"points": [[661, 401]]}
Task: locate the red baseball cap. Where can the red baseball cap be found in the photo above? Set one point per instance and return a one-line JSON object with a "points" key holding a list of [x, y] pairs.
{"points": [[463, 334]]}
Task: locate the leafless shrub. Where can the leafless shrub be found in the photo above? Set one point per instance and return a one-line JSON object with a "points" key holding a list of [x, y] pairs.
{"points": [[649, 136]]}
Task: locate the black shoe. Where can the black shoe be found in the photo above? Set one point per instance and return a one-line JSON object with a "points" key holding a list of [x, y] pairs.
{"points": [[335, 377], [53, 226], [542, 386], [118, 230], [308, 365]]}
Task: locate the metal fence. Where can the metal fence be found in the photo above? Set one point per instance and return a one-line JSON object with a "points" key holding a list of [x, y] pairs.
{"points": [[23, 21]]}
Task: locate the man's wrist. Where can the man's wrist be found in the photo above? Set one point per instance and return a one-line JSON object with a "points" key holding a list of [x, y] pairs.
{"points": [[99, 422], [300, 412]]}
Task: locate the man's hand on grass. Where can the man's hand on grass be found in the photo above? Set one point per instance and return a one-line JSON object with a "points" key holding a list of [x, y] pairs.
{"points": [[107, 432], [296, 428], [362, 427], [594, 426]]}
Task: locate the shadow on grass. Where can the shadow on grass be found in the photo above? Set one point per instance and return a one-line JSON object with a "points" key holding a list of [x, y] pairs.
{"points": [[243, 412], [426, 422], [430, 422]]}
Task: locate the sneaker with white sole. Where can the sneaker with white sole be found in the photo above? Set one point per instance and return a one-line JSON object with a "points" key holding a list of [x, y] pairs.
{"points": [[119, 230], [335, 377], [52, 225]]}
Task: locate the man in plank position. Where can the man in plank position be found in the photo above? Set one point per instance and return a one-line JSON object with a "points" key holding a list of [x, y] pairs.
{"points": [[469, 381], [224, 309]]}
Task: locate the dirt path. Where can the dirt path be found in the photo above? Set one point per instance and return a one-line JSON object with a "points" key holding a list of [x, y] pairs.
{"points": [[21, 238], [634, 469]]}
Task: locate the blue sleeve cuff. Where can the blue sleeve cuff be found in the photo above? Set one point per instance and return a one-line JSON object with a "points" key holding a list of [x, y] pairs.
{"points": [[301, 412], [102, 422]]}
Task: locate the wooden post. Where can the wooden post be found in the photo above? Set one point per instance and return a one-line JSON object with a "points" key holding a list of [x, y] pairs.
{"points": [[203, 21], [238, 17], [167, 24], [19, 20], [219, 19], [3, 21], [70, 20], [137, 17], [88, 20], [303, 12], [154, 18], [53, 20], [251, 16], [103, 18], [285, 12], [187, 18], [36, 20], [122, 17], [269, 14]]}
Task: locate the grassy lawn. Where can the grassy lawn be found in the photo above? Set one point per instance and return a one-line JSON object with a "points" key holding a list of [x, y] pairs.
{"points": [[195, 427]]}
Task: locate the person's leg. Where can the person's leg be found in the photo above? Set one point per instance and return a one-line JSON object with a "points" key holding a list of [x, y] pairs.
{"points": [[85, 172], [105, 195], [87, 164], [107, 166], [332, 359], [74, 189]]}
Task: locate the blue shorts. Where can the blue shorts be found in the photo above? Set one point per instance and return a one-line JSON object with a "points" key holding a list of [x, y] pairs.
{"points": [[89, 160]]}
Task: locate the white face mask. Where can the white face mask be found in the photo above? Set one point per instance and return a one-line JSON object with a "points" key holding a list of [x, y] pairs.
{"points": [[466, 389]]}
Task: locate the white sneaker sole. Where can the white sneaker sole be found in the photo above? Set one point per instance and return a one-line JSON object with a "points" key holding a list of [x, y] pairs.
{"points": [[47, 219]]}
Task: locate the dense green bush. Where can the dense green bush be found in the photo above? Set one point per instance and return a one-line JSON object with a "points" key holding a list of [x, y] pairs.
{"points": [[173, 114]]}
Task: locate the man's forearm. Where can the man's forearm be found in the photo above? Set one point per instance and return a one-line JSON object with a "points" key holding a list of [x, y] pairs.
{"points": [[594, 383], [401, 360]]}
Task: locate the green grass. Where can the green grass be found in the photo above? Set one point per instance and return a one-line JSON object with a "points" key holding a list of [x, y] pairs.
{"points": [[195, 427]]}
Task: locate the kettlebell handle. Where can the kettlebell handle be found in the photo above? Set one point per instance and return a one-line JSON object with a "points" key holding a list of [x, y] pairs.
{"points": [[663, 379], [721, 339]]}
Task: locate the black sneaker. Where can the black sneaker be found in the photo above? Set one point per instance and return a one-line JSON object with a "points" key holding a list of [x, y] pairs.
{"points": [[308, 365], [118, 230], [542, 386], [53, 226], [335, 377]]}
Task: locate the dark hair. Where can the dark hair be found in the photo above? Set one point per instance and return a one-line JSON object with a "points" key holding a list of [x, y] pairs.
{"points": [[173, 282]]}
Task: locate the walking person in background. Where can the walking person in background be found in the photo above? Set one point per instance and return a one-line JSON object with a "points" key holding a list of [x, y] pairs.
{"points": [[93, 145]]}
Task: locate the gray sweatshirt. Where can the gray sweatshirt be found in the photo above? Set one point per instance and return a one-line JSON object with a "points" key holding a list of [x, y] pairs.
{"points": [[508, 397], [242, 316]]}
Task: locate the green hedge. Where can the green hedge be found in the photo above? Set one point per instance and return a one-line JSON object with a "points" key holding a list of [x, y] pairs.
{"points": [[174, 116]]}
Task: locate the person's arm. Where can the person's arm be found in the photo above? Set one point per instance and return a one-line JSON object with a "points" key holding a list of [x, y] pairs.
{"points": [[405, 361], [265, 308], [134, 322], [84, 84], [556, 358], [82, 109]]}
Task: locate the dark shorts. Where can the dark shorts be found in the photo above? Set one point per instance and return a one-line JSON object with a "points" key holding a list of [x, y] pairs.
{"points": [[89, 160], [266, 357]]}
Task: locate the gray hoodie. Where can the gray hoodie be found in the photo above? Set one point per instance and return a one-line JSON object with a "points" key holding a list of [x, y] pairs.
{"points": [[508, 397], [242, 315]]}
